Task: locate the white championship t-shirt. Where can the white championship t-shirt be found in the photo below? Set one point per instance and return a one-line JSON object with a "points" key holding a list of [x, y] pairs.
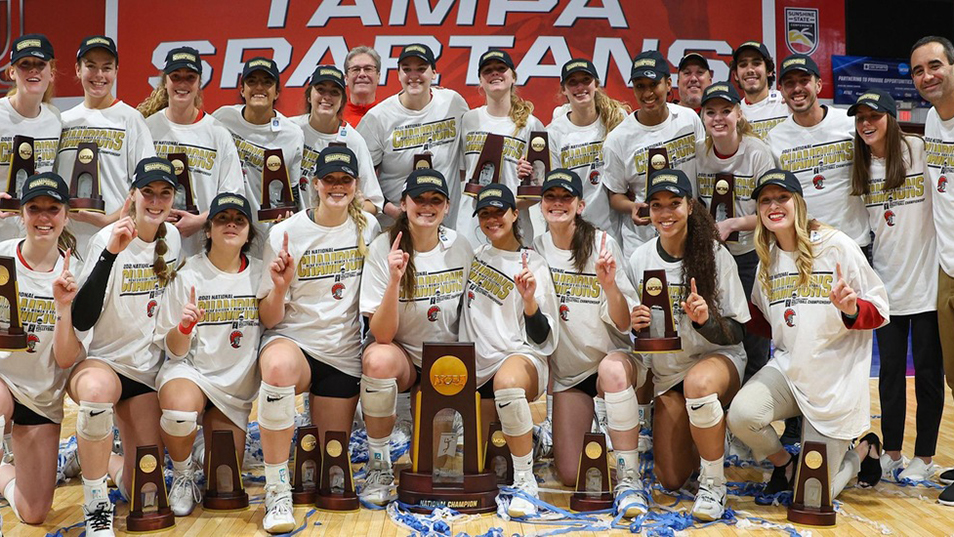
{"points": [[433, 313], [765, 114], [939, 147], [826, 365]]}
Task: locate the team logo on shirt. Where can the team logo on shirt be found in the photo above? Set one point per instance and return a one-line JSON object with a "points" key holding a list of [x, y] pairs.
{"points": [[337, 290], [819, 182], [889, 217], [942, 184], [564, 312], [151, 307], [790, 317], [470, 297], [235, 339], [432, 313], [32, 340]]}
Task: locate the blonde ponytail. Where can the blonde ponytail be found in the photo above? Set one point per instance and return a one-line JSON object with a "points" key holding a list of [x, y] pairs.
{"points": [[611, 111], [361, 222], [164, 273], [520, 110]]}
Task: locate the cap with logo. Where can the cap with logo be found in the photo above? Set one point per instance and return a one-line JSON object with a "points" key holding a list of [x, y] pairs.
{"points": [[494, 55], [565, 179], [694, 57], [227, 200], [183, 58], [418, 50], [780, 178], [799, 62], [649, 64], [335, 158], [752, 45], [32, 45], [424, 180], [45, 184], [675, 181], [495, 195], [98, 41], [328, 73], [266, 65], [152, 169], [721, 90], [877, 100], [577, 65]]}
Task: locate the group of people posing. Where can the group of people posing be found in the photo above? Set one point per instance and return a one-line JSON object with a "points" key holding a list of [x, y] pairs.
{"points": [[182, 316]]}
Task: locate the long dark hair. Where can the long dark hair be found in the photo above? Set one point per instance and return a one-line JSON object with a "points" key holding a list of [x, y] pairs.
{"points": [[699, 260], [584, 233], [894, 164]]}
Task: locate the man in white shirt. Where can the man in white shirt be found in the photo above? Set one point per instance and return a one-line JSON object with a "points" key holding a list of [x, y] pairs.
{"points": [[695, 76], [753, 70]]}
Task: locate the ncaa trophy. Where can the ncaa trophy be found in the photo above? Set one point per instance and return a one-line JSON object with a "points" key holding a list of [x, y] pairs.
{"points": [[307, 465], [22, 166], [722, 206], [185, 198], [277, 196], [488, 165], [336, 492], [538, 154], [12, 338], [656, 294], [657, 158], [224, 490], [148, 481], [811, 503], [85, 191], [593, 462]]}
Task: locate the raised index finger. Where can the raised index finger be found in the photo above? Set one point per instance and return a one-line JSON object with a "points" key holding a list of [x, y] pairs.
{"points": [[66, 260], [692, 286], [838, 270], [126, 206], [397, 242], [192, 295], [526, 254], [603, 243], [285, 243]]}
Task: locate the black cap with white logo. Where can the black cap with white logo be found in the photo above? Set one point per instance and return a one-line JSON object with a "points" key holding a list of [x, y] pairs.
{"points": [[328, 73], [266, 65], [495, 195], [424, 180], [152, 169], [877, 100], [669, 180], [799, 62], [577, 65], [32, 45], [494, 55], [45, 184], [721, 90], [418, 50], [566, 179], [752, 45], [649, 64]]}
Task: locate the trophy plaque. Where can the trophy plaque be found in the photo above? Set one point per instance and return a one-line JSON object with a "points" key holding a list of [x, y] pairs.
{"points": [[337, 485], [12, 338], [538, 154], [224, 491], [185, 198], [277, 196], [449, 381], [657, 158], [22, 166], [307, 464], [656, 294], [487, 169], [593, 462], [811, 503], [497, 457], [148, 481], [85, 194], [722, 206]]}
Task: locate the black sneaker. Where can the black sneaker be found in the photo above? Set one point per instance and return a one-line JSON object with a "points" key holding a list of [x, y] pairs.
{"points": [[793, 431], [779, 482], [947, 496], [947, 477]]}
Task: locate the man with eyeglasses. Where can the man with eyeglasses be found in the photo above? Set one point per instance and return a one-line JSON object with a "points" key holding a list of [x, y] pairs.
{"points": [[362, 71]]}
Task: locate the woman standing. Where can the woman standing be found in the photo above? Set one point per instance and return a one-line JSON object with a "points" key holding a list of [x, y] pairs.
{"points": [[693, 385], [309, 308], [178, 124], [129, 265], [888, 172]]}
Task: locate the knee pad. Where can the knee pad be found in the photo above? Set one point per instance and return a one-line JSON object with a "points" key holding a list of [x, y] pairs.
{"points": [[705, 412], [94, 421], [622, 410], [276, 407], [513, 411], [378, 397], [178, 423]]}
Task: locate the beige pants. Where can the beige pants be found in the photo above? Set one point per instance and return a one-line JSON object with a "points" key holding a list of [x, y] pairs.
{"points": [[945, 322]]}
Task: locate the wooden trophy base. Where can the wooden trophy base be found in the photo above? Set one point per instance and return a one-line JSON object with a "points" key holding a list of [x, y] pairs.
{"points": [[643, 212], [270, 215], [12, 204], [329, 501], [733, 237], [657, 345], [88, 204], [307, 497], [529, 191], [160, 520], [811, 516], [581, 502], [226, 501], [477, 494], [15, 340], [471, 189]]}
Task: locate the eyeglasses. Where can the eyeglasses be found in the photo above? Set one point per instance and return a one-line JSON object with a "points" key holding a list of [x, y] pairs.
{"points": [[357, 69]]}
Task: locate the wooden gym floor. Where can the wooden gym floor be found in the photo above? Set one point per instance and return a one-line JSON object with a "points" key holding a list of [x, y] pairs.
{"points": [[900, 510]]}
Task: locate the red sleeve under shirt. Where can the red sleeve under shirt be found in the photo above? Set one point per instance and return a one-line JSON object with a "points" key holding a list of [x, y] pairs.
{"points": [[868, 318]]}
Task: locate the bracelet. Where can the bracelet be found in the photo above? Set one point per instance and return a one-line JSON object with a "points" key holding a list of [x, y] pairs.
{"points": [[186, 330]]}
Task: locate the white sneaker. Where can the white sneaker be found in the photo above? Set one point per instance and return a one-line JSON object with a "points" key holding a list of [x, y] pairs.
{"points": [[630, 495], [918, 470], [645, 444], [184, 494], [543, 447], [521, 506], [99, 519], [710, 501], [889, 465], [378, 485], [403, 432], [279, 513], [736, 450]]}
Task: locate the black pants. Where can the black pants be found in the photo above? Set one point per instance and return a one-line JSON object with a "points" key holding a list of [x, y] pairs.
{"points": [[756, 346], [928, 380]]}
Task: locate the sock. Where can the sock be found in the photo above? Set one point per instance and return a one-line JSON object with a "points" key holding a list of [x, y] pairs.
{"points": [[379, 450], [182, 467], [550, 408], [645, 417], [713, 470], [95, 491], [276, 474], [523, 464], [8, 445], [628, 461]]}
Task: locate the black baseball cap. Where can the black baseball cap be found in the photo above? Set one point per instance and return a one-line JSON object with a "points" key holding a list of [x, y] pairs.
{"points": [[183, 57], [152, 169], [265, 65], [777, 177], [45, 184], [98, 41], [328, 73], [494, 55], [34, 45], [577, 65], [418, 50], [721, 90], [336, 158], [694, 57], [424, 180], [878, 100], [227, 200], [649, 64], [495, 195], [565, 179], [752, 45], [669, 180], [799, 62]]}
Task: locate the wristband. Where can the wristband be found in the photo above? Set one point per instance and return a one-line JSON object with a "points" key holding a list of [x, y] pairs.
{"points": [[186, 329]]}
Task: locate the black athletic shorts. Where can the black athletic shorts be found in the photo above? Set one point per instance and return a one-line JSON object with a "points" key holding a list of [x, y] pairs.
{"points": [[22, 415], [328, 381], [587, 385], [131, 388], [487, 390]]}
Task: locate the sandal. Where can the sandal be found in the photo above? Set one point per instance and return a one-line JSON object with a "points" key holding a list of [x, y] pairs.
{"points": [[870, 473]]}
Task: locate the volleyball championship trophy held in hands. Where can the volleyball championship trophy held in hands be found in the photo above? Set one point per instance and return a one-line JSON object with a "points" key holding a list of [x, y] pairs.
{"points": [[656, 295], [185, 200], [224, 490], [85, 191], [722, 206], [148, 484], [336, 492], [277, 198], [22, 166], [594, 468], [307, 465], [488, 165], [12, 338], [657, 158], [538, 155], [811, 502], [449, 381]]}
